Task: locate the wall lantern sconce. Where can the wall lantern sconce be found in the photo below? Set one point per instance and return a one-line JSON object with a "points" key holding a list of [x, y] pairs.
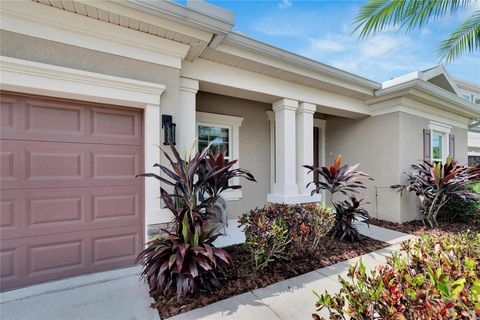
{"points": [[168, 130]]}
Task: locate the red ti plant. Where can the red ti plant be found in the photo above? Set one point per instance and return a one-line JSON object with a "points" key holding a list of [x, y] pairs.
{"points": [[185, 259], [435, 184], [344, 179], [216, 184]]}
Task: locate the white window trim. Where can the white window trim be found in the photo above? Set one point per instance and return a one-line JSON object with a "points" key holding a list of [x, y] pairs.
{"points": [[233, 123], [444, 131]]}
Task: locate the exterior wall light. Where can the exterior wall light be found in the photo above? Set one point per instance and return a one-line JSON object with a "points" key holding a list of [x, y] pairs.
{"points": [[168, 130]]}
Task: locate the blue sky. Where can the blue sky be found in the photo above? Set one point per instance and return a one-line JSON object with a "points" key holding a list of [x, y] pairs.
{"points": [[321, 30]]}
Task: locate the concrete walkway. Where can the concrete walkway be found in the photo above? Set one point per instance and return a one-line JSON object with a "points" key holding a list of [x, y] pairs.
{"points": [[108, 295], [120, 295]]}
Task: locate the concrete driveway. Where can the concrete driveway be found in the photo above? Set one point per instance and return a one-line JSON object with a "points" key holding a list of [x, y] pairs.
{"points": [[107, 295]]}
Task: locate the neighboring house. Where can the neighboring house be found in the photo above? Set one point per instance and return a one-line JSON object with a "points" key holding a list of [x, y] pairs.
{"points": [[471, 92], [85, 85]]}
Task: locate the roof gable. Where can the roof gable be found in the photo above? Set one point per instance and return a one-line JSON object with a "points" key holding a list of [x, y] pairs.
{"points": [[439, 77]]}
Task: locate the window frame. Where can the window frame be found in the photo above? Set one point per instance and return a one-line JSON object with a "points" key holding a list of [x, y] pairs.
{"points": [[444, 131], [232, 123]]}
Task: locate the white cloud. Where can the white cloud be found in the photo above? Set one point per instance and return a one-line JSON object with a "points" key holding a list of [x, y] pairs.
{"points": [[380, 57], [284, 4]]}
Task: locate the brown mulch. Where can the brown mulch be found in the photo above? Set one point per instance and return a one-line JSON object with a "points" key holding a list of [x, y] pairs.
{"points": [[241, 277], [418, 228]]}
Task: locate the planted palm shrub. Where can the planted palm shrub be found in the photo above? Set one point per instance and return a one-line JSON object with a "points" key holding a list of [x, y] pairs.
{"points": [[346, 180], [438, 279], [435, 184], [282, 232], [185, 259]]}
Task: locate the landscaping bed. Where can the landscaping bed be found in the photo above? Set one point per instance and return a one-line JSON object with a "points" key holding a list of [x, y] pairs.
{"points": [[241, 277], [418, 228]]}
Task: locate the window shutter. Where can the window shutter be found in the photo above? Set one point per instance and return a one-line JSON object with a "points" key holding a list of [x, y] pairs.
{"points": [[427, 145], [451, 145]]}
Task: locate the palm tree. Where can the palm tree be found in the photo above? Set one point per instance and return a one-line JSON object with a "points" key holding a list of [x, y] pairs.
{"points": [[378, 15]]}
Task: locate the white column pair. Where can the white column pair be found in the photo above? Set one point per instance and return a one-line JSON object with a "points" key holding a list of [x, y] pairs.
{"points": [[293, 149]]}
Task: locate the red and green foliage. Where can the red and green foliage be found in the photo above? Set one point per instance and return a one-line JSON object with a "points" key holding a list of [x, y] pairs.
{"points": [[346, 180], [216, 184], [185, 258], [282, 232], [436, 184], [346, 212], [438, 279]]}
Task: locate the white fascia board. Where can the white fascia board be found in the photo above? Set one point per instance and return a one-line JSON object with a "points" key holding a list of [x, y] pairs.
{"points": [[409, 106], [45, 22], [220, 22], [215, 73], [123, 8], [44, 79], [467, 85], [432, 92], [402, 79], [236, 41]]}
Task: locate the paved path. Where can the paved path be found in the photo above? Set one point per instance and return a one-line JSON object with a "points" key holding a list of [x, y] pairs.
{"points": [[293, 298], [120, 295], [108, 295]]}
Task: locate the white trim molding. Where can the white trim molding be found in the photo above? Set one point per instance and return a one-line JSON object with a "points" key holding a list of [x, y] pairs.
{"points": [[43, 79], [233, 123], [418, 109], [45, 22]]}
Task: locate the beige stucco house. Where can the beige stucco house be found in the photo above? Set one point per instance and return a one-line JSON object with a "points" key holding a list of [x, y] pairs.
{"points": [[86, 84]]}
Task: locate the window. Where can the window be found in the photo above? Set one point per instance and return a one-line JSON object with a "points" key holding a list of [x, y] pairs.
{"points": [[439, 141], [437, 146], [224, 133], [477, 101], [466, 97], [219, 136]]}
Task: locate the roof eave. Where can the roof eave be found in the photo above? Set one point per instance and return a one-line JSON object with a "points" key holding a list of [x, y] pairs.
{"points": [[470, 109], [292, 58]]}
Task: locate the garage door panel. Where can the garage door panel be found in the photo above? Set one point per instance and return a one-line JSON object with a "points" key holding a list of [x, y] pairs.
{"points": [[47, 119], [43, 119], [38, 164], [37, 259], [40, 212], [115, 125]]}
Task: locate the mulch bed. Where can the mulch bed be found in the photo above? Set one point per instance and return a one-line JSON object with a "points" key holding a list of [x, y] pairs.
{"points": [[418, 228], [241, 277]]}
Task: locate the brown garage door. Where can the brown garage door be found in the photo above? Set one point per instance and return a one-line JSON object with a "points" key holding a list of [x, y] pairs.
{"points": [[70, 203]]}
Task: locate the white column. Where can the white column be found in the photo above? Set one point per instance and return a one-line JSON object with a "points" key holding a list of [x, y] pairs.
{"points": [[304, 135], [152, 128], [271, 120], [186, 126], [285, 184]]}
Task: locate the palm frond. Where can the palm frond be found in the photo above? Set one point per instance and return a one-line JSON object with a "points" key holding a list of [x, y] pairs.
{"points": [[465, 38], [379, 15]]}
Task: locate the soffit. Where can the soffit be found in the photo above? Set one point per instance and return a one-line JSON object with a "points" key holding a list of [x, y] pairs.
{"points": [[87, 10]]}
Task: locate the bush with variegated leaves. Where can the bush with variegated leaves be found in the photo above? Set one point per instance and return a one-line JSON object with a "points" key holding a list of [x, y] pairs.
{"points": [[438, 279]]}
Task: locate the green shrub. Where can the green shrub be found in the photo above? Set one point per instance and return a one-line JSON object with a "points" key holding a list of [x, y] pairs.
{"points": [[439, 279], [282, 232], [460, 210]]}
